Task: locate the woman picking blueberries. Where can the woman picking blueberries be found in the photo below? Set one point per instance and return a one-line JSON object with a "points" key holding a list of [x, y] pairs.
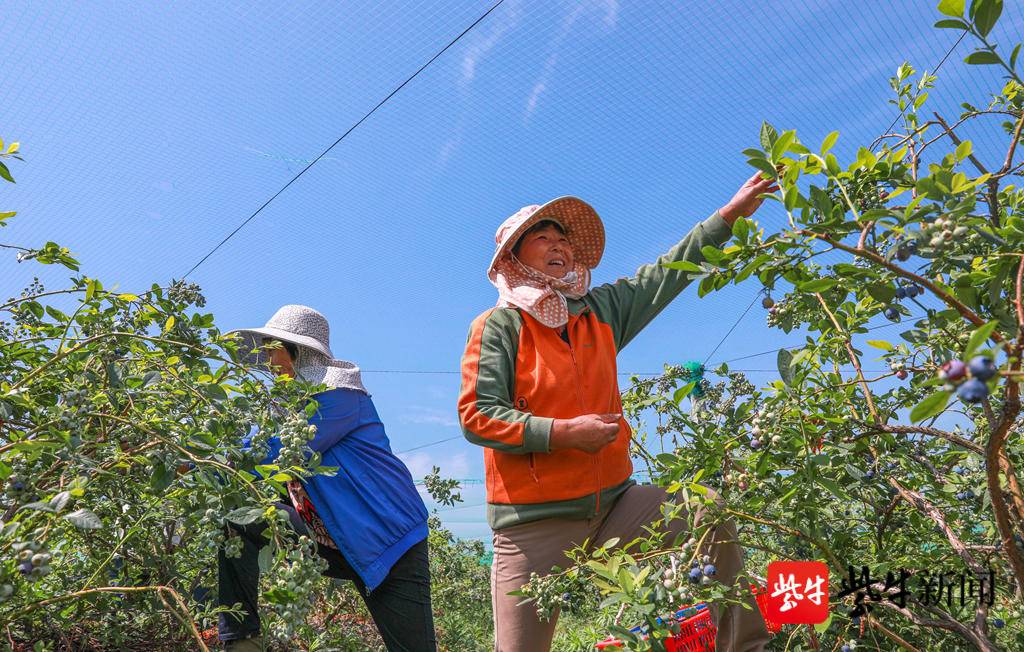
{"points": [[540, 393]]}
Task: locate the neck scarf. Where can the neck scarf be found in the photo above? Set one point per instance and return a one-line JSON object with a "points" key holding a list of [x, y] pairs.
{"points": [[543, 297]]}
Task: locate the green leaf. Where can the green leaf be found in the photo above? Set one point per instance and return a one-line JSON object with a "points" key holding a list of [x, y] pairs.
{"points": [[981, 57], [963, 150], [683, 265], [712, 254], [768, 136], [784, 362], [930, 406], [823, 626], [1013, 57], [951, 24], [985, 14], [829, 141], [683, 392], [84, 519], [764, 166], [881, 344], [741, 229], [5, 173], [265, 560], [817, 285], [245, 515], [979, 337], [953, 8]]}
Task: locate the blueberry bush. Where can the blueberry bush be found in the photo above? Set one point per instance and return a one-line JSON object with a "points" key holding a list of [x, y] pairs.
{"points": [[915, 467]]}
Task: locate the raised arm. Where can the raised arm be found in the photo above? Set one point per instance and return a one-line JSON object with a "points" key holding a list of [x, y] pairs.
{"points": [[629, 304]]}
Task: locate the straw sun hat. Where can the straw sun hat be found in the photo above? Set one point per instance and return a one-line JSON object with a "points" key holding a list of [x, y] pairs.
{"points": [[580, 221], [309, 331]]}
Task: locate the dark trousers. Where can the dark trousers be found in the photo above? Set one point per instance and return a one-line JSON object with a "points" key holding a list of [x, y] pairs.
{"points": [[400, 606]]}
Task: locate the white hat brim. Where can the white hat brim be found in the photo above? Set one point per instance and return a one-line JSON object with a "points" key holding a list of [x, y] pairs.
{"points": [[252, 342]]}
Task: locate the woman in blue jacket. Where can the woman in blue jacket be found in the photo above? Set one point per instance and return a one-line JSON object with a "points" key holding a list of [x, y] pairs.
{"points": [[369, 522]]}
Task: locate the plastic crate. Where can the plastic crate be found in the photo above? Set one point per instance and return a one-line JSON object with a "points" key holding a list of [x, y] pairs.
{"points": [[696, 631]]}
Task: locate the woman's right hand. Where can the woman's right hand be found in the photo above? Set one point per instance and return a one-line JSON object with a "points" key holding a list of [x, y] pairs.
{"points": [[590, 432]]}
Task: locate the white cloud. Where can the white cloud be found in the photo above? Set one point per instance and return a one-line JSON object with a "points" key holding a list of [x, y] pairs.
{"points": [[420, 463], [431, 416], [610, 17]]}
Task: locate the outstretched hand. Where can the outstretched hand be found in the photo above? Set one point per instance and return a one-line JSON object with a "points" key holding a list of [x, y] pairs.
{"points": [[747, 199]]}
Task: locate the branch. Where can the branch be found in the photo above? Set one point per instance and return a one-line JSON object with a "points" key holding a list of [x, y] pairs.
{"points": [[853, 359], [1013, 146], [924, 430], [931, 511], [127, 589], [949, 299]]}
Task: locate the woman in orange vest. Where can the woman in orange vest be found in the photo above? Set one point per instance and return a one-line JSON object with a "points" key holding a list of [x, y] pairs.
{"points": [[540, 392]]}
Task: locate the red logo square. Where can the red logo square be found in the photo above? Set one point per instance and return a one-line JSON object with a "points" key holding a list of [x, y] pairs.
{"points": [[797, 592]]}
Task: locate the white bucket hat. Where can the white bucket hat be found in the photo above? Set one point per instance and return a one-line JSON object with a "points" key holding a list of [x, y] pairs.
{"points": [[309, 331]]}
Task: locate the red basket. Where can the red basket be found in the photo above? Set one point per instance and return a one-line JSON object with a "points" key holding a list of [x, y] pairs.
{"points": [[761, 595], [696, 631]]}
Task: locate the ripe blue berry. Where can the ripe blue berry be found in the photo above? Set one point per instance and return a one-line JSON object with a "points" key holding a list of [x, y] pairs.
{"points": [[695, 574], [901, 293], [998, 623], [709, 570], [25, 567], [892, 314], [845, 648], [982, 367], [972, 391]]}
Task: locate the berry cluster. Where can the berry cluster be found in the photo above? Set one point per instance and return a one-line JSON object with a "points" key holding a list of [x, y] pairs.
{"points": [[186, 293], [295, 434], [33, 559], [296, 579], [899, 368], [759, 423], [973, 389], [940, 233], [904, 250]]}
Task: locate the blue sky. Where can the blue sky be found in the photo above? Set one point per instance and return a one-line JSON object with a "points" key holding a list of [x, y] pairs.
{"points": [[151, 131]]}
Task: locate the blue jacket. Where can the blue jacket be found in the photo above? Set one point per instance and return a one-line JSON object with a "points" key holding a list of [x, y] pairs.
{"points": [[370, 507]]}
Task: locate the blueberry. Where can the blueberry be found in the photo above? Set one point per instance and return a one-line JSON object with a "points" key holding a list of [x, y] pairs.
{"points": [[767, 302], [695, 574], [17, 485], [855, 620], [972, 391], [25, 567], [845, 648], [901, 293], [892, 314], [870, 473], [755, 443], [902, 374], [998, 623], [709, 570], [982, 367], [953, 370], [918, 290], [902, 253]]}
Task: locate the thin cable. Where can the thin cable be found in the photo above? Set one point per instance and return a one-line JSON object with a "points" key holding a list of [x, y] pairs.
{"points": [[433, 443], [737, 323], [342, 137]]}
